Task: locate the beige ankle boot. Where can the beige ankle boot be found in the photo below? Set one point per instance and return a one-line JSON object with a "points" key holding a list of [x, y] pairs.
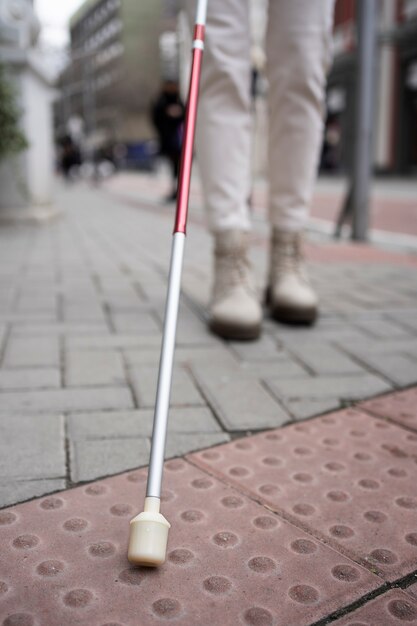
{"points": [[235, 312], [290, 295]]}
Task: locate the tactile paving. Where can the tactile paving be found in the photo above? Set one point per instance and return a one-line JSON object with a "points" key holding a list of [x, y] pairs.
{"points": [[400, 407], [347, 477], [230, 560], [393, 608]]}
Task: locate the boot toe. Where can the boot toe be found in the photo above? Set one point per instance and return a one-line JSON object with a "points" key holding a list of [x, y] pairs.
{"points": [[294, 302], [237, 316]]}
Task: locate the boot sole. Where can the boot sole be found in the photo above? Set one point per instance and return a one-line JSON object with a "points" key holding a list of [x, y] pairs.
{"points": [[305, 317], [289, 315], [234, 332]]}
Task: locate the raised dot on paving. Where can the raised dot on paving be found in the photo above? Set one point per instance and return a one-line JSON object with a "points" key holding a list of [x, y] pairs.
{"points": [[342, 477], [229, 561]]}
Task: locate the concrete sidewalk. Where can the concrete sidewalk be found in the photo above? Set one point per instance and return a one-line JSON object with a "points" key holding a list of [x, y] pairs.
{"points": [[81, 312]]}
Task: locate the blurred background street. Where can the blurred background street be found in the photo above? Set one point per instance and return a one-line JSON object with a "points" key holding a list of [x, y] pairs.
{"points": [[86, 214]]}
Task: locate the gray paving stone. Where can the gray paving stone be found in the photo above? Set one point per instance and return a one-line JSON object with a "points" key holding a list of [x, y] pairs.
{"points": [[2, 335], [241, 403], [66, 400], [397, 368], [32, 448], [179, 444], [285, 367], [298, 336], [12, 491], [79, 308], [83, 312], [111, 342], [29, 378], [264, 348], [302, 409], [383, 329], [322, 358], [379, 346], [344, 387], [120, 424], [37, 302], [117, 302], [32, 352], [183, 356], [89, 368], [407, 319], [95, 458], [141, 323], [58, 329], [192, 330], [183, 391], [27, 318]]}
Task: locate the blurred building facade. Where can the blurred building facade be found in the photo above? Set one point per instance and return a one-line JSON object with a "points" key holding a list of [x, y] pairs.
{"points": [[113, 72], [395, 132]]}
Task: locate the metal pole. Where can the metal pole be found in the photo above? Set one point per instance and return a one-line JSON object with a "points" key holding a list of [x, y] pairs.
{"points": [[362, 164]]}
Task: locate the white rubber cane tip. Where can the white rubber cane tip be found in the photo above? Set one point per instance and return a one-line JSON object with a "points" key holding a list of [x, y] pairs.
{"points": [[148, 536]]}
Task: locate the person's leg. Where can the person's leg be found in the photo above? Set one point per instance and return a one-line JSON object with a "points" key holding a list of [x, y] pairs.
{"points": [[223, 147], [174, 162], [223, 137], [299, 55]]}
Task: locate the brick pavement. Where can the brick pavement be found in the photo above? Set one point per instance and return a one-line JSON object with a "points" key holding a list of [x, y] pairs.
{"points": [[81, 313]]}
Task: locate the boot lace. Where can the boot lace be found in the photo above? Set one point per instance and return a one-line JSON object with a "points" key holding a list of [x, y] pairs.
{"points": [[232, 270], [287, 257]]}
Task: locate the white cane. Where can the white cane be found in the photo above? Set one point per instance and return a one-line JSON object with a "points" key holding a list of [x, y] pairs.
{"points": [[149, 530]]}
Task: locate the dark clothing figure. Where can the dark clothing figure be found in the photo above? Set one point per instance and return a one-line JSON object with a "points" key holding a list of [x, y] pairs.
{"points": [[70, 156], [168, 114]]}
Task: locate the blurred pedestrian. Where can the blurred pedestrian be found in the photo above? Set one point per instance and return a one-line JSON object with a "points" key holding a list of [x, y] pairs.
{"points": [[168, 114], [298, 47], [70, 157]]}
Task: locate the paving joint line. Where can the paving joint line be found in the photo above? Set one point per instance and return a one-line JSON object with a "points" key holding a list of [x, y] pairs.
{"points": [[279, 402], [211, 408], [309, 370], [401, 583], [282, 514], [391, 420], [129, 381], [370, 368], [287, 518]]}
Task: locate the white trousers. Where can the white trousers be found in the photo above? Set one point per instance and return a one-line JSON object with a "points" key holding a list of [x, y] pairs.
{"points": [[298, 47]]}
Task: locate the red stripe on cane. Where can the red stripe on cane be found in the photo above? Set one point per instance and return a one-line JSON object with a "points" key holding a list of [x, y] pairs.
{"points": [[187, 150], [199, 32]]}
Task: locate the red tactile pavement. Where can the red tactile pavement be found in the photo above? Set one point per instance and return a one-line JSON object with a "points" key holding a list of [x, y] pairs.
{"points": [[347, 477], [399, 407], [230, 560], [391, 609], [343, 252]]}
